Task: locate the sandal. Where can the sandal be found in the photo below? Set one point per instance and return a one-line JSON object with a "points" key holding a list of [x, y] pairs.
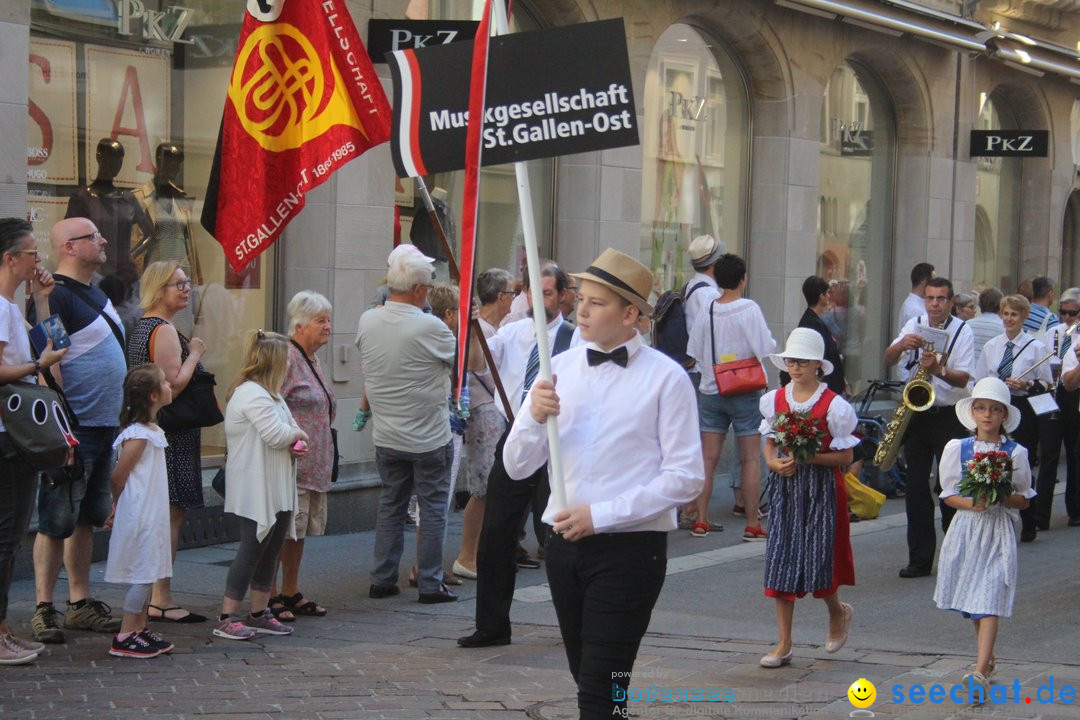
{"points": [[278, 607], [189, 617], [308, 608]]}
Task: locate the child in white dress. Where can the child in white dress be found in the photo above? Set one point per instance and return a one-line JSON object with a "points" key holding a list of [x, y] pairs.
{"points": [[140, 547], [977, 566]]}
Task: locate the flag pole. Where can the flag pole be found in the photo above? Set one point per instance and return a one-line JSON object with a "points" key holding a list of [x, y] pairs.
{"points": [[455, 274], [532, 257]]}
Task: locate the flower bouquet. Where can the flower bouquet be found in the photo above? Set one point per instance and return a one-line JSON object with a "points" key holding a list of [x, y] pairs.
{"points": [[798, 434], [987, 476]]}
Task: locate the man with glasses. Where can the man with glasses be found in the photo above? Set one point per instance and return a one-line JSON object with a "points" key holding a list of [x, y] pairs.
{"points": [[92, 374], [1066, 425], [929, 431]]}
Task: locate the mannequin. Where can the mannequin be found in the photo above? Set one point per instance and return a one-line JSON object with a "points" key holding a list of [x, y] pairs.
{"points": [[114, 211], [169, 208]]}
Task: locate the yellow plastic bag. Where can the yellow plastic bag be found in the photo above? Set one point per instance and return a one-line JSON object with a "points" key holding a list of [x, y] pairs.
{"points": [[864, 501]]}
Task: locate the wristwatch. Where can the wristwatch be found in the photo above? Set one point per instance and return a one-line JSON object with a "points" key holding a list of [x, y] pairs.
{"points": [[941, 373], [37, 366]]}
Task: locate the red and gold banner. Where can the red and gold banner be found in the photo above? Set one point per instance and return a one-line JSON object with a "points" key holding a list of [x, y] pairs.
{"points": [[303, 100]]}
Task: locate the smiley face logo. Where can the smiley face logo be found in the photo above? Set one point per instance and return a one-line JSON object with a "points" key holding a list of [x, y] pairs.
{"points": [[862, 693]]}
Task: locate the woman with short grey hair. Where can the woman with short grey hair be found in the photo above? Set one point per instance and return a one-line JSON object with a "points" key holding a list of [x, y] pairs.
{"points": [[966, 305], [311, 401]]}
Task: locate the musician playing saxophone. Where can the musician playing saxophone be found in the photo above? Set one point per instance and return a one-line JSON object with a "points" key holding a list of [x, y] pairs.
{"points": [[930, 430], [1019, 359]]}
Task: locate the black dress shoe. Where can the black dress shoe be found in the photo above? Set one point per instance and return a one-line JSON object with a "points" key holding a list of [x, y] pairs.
{"points": [[483, 638], [1074, 521], [443, 595], [914, 571], [379, 592], [1028, 534], [526, 561]]}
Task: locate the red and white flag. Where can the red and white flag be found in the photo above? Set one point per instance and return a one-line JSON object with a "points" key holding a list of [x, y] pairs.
{"points": [[471, 196], [303, 100]]}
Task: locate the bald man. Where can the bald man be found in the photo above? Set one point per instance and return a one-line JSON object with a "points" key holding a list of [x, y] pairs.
{"points": [[92, 374]]}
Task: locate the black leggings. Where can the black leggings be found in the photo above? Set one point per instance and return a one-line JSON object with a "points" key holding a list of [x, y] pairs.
{"points": [[256, 561]]}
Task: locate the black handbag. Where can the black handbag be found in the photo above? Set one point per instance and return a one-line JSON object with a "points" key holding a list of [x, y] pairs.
{"points": [[37, 423], [195, 407], [218, 481]]}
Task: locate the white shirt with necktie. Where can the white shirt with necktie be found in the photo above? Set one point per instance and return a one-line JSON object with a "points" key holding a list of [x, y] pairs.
{"points": [[961, 358], [631, 451], [511, 347], [1026, 351]]}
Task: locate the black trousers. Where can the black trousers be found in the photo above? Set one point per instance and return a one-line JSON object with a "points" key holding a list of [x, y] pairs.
{"points": [[925, 439], [1041, 436], [1069, 402], [506, 503], [604, 588]]}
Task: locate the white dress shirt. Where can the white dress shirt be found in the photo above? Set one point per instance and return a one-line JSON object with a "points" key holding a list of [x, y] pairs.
{"points": [[962, 343], [1026, 352], [740, 331], [913, 307], [701, 297], [630, 439], [519, 308], [510, 349], [984, 328]]}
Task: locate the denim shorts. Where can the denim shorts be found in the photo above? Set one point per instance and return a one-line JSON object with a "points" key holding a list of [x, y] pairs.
{"points": [[86, 500], [717, 413]]}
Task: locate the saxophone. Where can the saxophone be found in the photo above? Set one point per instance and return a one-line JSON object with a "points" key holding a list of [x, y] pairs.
{"points": [[917, 396]]}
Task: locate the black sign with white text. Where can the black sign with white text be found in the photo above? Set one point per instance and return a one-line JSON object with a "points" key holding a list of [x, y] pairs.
{"points": [[389, 35], [551, 92], [1010, 143]]}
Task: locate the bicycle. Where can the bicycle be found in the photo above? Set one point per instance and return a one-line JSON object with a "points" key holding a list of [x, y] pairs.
{"points": [[871, 428]]}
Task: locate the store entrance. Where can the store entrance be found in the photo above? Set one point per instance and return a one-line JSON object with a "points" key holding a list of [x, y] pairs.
{"points": [[1070, 242]]}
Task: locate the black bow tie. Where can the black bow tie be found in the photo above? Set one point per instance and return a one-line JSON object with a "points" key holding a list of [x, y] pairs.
{"points": [[619, 356]]}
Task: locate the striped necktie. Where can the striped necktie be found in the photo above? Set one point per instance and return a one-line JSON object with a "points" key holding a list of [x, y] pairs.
{"points": [[1005, 368], [1066, 344], [532, 369]]}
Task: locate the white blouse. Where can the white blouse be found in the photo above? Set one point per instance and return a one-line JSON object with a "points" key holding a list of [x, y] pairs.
{"points": [[840, 418], [1026, 352], [950, 471], [740, 331]]}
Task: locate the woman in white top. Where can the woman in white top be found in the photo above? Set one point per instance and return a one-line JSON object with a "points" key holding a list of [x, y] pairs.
{"points": [[729, 328], [1007, 357], [19, 264], [260, 483]]}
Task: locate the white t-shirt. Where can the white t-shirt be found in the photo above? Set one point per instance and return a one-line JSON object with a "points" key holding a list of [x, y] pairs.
{"points": [[15, 338]]}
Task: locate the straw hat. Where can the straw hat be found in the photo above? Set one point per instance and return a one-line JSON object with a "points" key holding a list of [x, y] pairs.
{"points": [[989, 388], [803, 344], [623, 275], [704, 251], [406, 249]]}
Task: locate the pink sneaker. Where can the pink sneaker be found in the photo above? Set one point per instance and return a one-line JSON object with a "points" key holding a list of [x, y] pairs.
{"points": [[266, 624], [232, 628]]}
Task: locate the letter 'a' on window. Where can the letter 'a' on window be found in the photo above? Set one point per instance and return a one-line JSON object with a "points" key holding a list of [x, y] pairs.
{"points": [[695, 143]]}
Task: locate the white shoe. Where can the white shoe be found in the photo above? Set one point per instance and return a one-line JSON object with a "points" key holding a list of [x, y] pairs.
{"points": [[775, 661], [462, 571], [832, 646]]}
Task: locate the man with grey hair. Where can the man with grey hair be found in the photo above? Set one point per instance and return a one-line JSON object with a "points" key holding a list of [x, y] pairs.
{"points": [[407, 357], [1062, 342], [987, 324]]}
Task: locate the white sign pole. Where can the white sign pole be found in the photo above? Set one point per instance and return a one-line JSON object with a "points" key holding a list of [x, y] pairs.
{"points": [[532, 257]]}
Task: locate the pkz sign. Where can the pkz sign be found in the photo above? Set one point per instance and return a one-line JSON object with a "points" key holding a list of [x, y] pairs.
{"points": [[163, 25], [1010, 143], [391, 35]]}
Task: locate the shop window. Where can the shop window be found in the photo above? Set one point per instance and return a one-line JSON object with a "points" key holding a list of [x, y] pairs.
{"points": [[997, 208], [855, 217], [124, 118], [695, 145], [500, 238]]}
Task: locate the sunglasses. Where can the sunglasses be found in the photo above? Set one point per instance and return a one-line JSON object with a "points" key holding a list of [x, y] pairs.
{"points": [[1068, 313]]}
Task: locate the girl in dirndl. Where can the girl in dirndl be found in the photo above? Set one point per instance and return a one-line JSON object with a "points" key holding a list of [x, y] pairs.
{"points": [[809, 548], [977, 566]]}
